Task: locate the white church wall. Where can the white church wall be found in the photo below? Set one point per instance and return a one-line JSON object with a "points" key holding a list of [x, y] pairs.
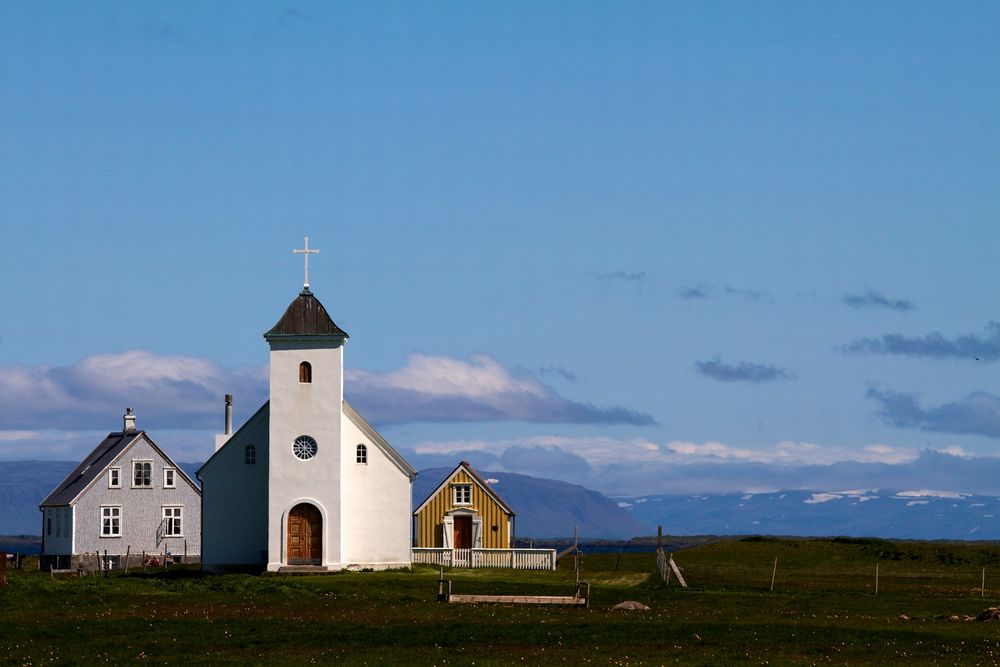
{"points": [[311, 409], [377, 519], [234, 524]]}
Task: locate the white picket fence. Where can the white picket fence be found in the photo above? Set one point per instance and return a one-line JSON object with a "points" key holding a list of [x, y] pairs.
{"points": [[516, 559]]}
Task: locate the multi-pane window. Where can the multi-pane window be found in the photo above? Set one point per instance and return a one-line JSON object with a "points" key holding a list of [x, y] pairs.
{"points": [[250, 455], [111, 521], [115, 478], [463, 494], [362, 455], [169, 478], [172, 522], [142, 473]]}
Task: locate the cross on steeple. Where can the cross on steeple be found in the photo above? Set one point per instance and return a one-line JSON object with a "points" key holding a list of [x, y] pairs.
{"points": [[306, 251]]}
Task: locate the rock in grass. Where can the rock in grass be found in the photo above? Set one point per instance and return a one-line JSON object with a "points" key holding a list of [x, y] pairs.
{"points": [[631, 605], [904, 617], [989, 614]]}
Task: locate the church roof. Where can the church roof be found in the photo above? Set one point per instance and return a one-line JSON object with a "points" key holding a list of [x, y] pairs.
{"points": [[305, 316]]}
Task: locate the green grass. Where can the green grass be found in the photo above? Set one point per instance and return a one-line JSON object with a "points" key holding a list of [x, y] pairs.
{"points": [[822, 611]]}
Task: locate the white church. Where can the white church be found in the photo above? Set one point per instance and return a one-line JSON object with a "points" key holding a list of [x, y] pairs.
{"points": [[306, 482]]}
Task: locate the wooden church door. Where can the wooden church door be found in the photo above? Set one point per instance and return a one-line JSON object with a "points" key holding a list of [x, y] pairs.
{"points": [[305, 534], [463, 532]]}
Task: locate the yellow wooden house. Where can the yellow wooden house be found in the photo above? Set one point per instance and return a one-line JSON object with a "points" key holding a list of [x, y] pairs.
{"points": [[464, 512]]}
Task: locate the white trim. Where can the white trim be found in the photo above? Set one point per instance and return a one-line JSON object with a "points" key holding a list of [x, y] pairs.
{"points": [[179, 517], [173, 477], [117, 469], [454, 494], [112, 517], [448, 527]]}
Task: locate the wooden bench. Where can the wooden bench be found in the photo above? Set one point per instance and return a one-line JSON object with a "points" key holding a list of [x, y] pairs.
{"points": [[575, 600]]}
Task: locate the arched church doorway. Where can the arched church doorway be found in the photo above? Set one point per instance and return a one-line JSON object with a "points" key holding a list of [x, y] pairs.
{"points": [[305, 535]]}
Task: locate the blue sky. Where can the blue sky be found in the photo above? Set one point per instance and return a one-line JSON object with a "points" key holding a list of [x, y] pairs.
{"points": [[575, 240]]}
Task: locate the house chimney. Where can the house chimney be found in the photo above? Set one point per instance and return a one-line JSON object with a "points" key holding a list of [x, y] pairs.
{"points": [[229, 414], [129, 420]]}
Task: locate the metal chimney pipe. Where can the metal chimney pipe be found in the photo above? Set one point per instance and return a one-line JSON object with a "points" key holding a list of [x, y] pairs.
{"points": [[229, 414]]}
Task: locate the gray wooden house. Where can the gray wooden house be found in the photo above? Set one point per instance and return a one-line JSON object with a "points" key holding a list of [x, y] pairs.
{"points": [[126, 496]]}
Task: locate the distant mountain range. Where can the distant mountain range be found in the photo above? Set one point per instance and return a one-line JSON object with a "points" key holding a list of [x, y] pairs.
{"points": [[904, 514], [549, 509]]}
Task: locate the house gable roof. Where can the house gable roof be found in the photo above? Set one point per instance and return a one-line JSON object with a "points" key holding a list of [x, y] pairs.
{"points": [[379, 441], [98, 461], [305, 317], [467, 467]]}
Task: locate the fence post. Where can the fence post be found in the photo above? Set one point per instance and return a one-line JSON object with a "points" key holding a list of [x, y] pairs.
{"points": [[984, 583], [3, 569], [774, 572], [876, 578]]}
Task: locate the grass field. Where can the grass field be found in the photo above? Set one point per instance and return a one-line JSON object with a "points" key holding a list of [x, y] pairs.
{"points": [[823, 611]]}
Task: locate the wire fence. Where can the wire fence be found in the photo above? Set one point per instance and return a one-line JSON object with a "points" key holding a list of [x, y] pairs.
{"points": [[881, 578]]}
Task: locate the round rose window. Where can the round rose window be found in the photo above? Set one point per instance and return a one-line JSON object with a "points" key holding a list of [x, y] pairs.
{"points": [[304, 447]]}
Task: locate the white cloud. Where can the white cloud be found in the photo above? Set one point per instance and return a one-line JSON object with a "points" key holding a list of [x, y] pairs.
{"points": [[166, 392], [437, 388], [822, 498], [917, 502], [931, 493]]}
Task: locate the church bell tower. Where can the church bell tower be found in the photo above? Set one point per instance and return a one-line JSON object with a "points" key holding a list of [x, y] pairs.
{"points": [[306, 409]]}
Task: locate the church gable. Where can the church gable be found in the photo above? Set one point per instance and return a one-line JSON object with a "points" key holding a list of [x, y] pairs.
{"points": [[249, 435], [378, 441]]}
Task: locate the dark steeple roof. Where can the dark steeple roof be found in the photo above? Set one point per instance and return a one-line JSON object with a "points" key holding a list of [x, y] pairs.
{"points": [[305, 316]]}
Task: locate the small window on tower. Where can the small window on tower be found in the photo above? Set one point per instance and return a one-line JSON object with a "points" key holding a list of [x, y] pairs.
{"points": [[362, 454], [305, 372], [250, 455]]}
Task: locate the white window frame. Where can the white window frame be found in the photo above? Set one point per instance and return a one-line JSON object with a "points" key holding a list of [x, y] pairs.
{"points": [[138, 462], [466, 490], [172, 474], [170, 514], [361, 454], [111, 512], [115, 477]]}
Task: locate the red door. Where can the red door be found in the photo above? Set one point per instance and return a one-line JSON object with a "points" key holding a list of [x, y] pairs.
{"points": [[305, 532], [463, 532]]}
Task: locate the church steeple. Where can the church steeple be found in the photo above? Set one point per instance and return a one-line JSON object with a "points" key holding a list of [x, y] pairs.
{"points": [[306, 317]]}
